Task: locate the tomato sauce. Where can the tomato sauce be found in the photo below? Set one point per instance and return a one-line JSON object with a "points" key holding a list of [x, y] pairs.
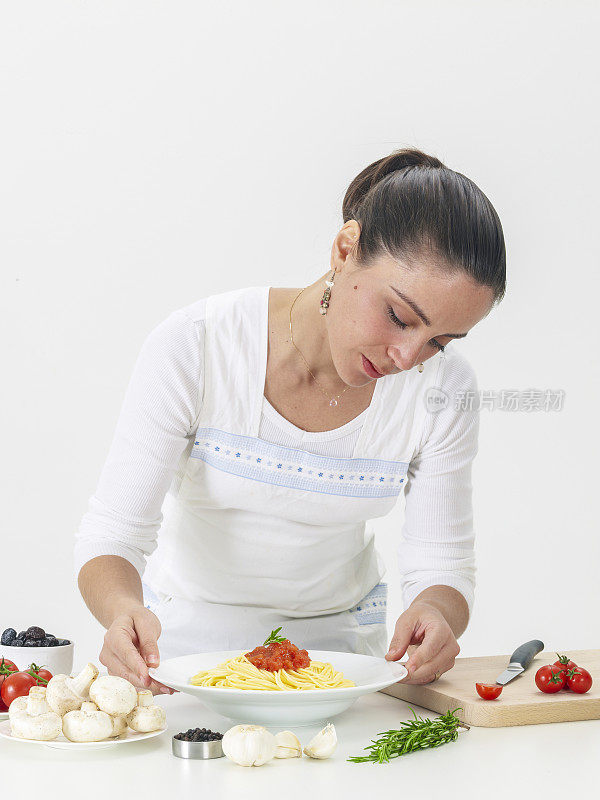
{"points": [[278, 655]]}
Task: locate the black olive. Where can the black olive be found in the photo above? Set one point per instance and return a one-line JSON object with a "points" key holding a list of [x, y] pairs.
{"points": [[51, 641], [62, 642], [22, 635], [35, 633], [17, 643], [30, 643], [8, 636]]}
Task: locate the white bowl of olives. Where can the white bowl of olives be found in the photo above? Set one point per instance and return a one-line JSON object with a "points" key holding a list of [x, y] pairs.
{"points": [[34, 645]]}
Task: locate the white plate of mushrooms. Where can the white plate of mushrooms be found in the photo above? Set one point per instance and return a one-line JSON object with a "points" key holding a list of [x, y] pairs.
{"points": [[87, 710], [62, 743]]}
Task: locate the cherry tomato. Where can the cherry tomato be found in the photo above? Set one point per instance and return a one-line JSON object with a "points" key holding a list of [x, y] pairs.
{"points": [[579, 680], [565, 664], [488, 691], [16, 685], [41, 675], [6, 670], [549, 679]]}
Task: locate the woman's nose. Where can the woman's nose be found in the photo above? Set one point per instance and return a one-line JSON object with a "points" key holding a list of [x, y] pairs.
{"points": [[405, 358]]}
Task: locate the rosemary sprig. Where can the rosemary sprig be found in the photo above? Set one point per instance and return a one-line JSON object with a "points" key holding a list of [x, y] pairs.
{"points": [[416, 734], [273, 637]]}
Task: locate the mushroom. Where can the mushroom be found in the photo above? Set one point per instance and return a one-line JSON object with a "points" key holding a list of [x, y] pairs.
{"points": [[114, 695], [65, 693], [146, 717], [18, 704], [88, 724], [119, 724], [35, 721]]}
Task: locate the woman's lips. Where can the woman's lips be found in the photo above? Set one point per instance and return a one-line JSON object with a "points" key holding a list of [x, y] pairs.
{"points": [[370, 369]]}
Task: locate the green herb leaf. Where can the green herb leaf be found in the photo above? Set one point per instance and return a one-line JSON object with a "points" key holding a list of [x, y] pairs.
{"points": [[416, 734], [273, 637]]}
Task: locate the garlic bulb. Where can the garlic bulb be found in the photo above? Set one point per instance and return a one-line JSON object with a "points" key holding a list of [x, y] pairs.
{"points": [[248, 745], [323, 744], [288, 745]]}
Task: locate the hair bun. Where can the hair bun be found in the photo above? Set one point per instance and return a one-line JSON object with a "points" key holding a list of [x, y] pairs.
{"points": [[375, 172], [409, 200]]}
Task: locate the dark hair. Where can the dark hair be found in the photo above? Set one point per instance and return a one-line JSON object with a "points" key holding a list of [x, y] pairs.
{"points": [[409, 202]]}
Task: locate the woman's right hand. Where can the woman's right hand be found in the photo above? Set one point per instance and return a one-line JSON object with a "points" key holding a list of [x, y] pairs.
{"points": [[130, 647]]}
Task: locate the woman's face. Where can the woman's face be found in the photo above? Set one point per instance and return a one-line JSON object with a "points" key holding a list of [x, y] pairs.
{"points": [[397, 316]]}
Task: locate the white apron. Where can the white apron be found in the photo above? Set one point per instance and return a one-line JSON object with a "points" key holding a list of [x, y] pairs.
{"points": [[256, 536]]}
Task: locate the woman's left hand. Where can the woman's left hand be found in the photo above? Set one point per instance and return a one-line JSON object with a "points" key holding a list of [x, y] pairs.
{"points": [[423, 633]]}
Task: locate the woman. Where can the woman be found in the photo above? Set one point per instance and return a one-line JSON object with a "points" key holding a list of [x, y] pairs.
{"points": [[263, 427]]}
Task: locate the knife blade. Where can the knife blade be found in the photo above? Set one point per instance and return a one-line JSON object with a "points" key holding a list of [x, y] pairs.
{"points": [[520, 660]]}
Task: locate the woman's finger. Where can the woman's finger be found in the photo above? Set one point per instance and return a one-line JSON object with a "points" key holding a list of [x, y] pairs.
{"points": [[403, 634], [116, 667], [159, 688], [147, 628], [435, 639], [442, 662], [119, 641]]}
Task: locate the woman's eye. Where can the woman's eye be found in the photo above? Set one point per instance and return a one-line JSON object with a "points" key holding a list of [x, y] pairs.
{"points": [[395, 319], [400, 324]]}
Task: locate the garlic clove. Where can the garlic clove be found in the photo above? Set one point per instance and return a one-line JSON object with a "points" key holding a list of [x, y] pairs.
{"points": [[248, 745], [287, 745], [323, 744]]}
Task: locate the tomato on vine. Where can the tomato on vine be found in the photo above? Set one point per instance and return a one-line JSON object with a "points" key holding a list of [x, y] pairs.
{"points": [[18, 684], [6, 670], [564, 663], [550, 679], [579, 680]]}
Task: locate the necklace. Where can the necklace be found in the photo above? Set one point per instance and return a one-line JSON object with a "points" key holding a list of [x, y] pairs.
{"points": [[334, 400]]}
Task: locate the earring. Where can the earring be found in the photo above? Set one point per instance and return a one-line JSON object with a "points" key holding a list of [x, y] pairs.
{"points": [[420, 367], [327, 294]]}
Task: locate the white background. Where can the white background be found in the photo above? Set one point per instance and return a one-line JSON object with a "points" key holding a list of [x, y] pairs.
{"points": [[152, 153]]}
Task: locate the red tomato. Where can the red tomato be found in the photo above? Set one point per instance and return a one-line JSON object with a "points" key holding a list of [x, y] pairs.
{"points": [[6, 670], [16, 685], [488, 691], [41, 675], [549, 679], [565, 664], [579, 680]]}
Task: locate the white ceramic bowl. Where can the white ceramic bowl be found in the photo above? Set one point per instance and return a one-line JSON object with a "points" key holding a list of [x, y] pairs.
{"points": [[282, 708], [59, 660]]}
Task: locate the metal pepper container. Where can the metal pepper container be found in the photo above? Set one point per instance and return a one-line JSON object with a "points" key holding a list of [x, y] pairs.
{"points": [[183, 749]]}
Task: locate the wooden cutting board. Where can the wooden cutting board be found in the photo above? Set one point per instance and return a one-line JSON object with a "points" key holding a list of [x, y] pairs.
{"points": [[521, 702]]}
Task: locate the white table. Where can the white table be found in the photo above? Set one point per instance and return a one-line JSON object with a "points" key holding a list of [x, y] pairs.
{"points": [[548, 761]]}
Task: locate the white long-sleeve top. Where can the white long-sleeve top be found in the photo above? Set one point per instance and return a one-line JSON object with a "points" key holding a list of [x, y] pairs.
{"points": [[159, 418]]}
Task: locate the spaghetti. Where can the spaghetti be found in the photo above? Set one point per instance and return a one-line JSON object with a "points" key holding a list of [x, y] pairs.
{"points": [[239, 673]]}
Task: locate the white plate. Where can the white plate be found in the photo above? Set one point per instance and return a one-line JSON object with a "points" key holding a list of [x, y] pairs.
{"points": [[62, 743], [272, 707]]}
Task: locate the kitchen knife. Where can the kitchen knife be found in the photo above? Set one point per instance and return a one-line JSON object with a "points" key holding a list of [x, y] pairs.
{"points": [[520, 660]]}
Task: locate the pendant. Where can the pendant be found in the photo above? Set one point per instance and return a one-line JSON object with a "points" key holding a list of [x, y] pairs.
{"points": [[333, 402]]}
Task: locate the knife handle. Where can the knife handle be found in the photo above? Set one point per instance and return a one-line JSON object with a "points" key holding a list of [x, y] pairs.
{"points": [[524, 654]]}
